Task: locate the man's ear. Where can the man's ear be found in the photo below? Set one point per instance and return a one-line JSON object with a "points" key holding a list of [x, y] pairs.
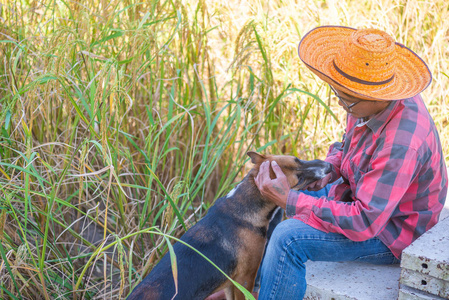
{"points": [[256, 158]]}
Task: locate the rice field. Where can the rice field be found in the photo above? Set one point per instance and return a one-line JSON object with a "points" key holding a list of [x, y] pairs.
{"points": [[122, 121]]}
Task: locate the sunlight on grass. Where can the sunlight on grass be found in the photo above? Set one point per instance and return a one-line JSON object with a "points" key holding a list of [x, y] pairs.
{"points": [[121, 122]]}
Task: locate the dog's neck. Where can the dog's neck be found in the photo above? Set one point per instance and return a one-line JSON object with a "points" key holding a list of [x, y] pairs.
{"points": [[253, 193], [251, 179]]}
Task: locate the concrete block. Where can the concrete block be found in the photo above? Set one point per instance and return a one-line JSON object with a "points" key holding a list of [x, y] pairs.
{"points": [[425, 263], [408, 293], [429, 254], [351, 280], [425, 283]]}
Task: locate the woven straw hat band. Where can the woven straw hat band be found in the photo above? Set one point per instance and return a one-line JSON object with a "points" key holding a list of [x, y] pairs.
{"points": [[365, 63], [367, 57]]}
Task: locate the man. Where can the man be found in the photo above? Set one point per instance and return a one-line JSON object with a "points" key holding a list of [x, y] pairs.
{"points": [[389, 179]]}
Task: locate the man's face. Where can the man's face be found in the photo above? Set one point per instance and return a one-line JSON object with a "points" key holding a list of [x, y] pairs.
{"points": [[357, 107]]}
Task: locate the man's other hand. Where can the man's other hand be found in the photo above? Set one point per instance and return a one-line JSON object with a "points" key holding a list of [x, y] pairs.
{"points": [[319, 184]]}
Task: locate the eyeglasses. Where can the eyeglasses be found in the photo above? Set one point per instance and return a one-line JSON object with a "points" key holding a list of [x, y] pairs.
{"points": [[348, 106]]}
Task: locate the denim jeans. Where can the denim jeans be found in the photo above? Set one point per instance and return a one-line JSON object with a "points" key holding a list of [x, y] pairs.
{"points": [[292, 243]]}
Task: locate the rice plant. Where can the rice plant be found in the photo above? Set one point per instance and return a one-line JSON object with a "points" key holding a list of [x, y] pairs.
{"points": [[121, 122]]}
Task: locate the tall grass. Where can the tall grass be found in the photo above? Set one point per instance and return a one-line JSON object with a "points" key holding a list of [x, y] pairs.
{"points": [[121, 122]]}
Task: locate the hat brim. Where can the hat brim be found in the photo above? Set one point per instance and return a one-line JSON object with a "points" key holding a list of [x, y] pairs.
{"points": [[319, 47]]}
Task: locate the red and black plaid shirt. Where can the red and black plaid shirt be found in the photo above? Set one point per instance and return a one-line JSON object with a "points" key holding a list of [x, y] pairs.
{"points": [[395, 179]]}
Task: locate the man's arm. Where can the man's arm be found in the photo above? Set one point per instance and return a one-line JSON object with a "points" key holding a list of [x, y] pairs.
{"points": [[377, 194]]}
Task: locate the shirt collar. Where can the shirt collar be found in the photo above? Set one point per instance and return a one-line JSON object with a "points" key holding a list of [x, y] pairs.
{"points": [[377, 122]]}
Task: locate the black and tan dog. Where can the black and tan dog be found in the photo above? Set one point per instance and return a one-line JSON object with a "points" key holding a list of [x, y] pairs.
{"points": [[232, 235]]}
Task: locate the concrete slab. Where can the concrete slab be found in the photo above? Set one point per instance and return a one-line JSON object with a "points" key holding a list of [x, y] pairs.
{"points": [[351, 280]]}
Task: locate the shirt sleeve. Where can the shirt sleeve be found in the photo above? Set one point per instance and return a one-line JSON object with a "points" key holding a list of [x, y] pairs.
{"points": [[377, 195]]}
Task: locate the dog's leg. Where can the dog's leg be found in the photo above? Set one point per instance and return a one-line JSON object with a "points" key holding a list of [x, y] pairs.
{"points": [[247, 281], [229, 292], [238, 295]]}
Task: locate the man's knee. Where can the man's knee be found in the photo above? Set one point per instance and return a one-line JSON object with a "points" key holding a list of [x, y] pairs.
{"points": [[285, 233], [287, 242]]}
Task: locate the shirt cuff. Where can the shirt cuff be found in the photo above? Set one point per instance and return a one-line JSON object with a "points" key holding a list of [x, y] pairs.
{"points": [[335, 173], [299, 205]]}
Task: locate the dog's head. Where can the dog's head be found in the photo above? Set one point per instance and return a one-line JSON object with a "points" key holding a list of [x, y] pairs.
{"points": [[299, 173]]}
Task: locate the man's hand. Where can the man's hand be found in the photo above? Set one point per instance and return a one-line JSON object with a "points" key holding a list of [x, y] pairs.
{"points": [[275, 190], [319, 184]]}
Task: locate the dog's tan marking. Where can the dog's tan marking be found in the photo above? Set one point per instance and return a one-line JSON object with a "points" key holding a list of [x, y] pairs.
{"points": [[249, 257]]}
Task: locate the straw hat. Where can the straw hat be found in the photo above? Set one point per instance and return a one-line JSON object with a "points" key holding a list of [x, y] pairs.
{"points": [[364, 63]]}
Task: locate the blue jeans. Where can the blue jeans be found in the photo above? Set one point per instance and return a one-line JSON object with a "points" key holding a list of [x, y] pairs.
{"points": [[292, 243]]}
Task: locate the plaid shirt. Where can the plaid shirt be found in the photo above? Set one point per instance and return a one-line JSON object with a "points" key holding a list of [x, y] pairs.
{"points": [[395, 179]]}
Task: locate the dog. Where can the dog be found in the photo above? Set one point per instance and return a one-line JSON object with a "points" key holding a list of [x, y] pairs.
{"points": [[232, 235]]}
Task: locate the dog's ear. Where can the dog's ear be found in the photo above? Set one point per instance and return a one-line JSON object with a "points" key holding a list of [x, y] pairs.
{"points": [[256, 158]]}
